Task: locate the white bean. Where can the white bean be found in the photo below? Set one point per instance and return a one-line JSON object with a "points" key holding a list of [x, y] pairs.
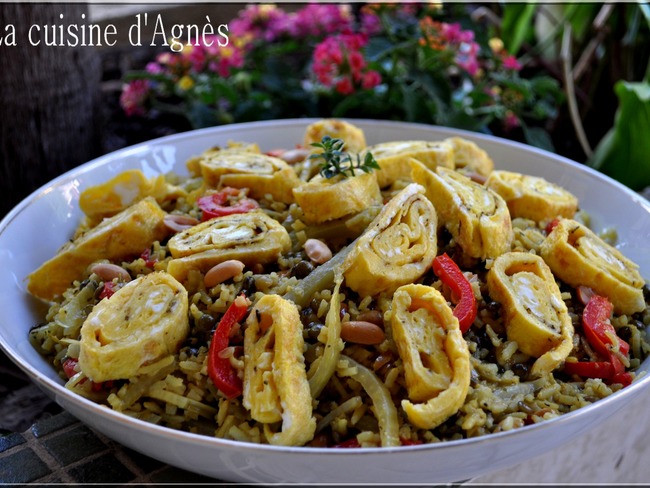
{"points": [[108, 272], [317, 251], [178, 223], [222, 272]]}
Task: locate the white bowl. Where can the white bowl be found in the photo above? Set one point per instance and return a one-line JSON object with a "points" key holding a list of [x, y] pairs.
{"points": [[33, 231]]}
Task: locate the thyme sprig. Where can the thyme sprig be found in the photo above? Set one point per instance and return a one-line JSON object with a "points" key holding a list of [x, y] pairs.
{"points": [[338, 162]]}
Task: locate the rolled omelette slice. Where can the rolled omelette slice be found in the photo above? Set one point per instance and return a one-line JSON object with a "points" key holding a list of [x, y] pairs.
{"points": [[469, 157], [193, 164], [397, 248], [476, 217], [393, 158], [123, 190], [275, 380], [536, 317], [119, 237], [325, 199], [260, 173], [251, 237], [435, 355], [532, 197], [577, 256], [353, 136], [116, 194], [142, 322]]}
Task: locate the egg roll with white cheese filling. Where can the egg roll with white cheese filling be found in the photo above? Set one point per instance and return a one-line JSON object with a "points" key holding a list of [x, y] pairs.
{"points": [[259, 173], [578, 256], [325, 199], [532, 197], [398, 247], [434, 353], [275, 380], [122, 236], [142, 322], [536, 317], [477, 218], [251, 237], [393, 158]]}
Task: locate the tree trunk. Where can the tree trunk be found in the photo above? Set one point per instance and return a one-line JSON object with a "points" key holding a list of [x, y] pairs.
{"points": [[49, 101]]}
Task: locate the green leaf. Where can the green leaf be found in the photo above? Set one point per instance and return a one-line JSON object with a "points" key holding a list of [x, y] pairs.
{"points": [[623, 152], [517, 24], [581, 16], [412, 103], [378, 48], [538, 137]]}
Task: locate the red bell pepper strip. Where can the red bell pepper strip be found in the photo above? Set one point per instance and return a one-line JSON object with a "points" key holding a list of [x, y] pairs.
{"points": [[350, 443], [624, 378], [408, 442], [601, 336], [70, 369], [598, 330], [448, 271], [216, 204], [551, 225], [108, 290], [149, 261], [606, 370], [221, 372], [590, 369]]}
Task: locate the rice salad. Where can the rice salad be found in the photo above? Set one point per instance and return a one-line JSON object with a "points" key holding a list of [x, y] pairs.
{"points": [[336, 294]]}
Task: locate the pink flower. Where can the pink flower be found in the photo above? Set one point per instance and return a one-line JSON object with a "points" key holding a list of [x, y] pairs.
{"points": [[209, 56], [453, 34], [197, 57], [510, 62], [133, 97], [265, 22], [370, 79], [225, 60], [441, 36], [467, 57], [338, 62], [344, 86], [165, 58], [356, 63], [173, 63], [320, 19], [511, 121], [154, 68], [370, 23]]}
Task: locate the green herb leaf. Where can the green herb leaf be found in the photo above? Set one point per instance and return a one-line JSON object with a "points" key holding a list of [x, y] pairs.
{"points": [[337, 162]]}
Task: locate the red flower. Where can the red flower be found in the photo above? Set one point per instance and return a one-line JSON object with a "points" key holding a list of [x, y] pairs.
{"points": [[370, 79], [339, 63], [133, 97], [344, 86], [510, 62]]}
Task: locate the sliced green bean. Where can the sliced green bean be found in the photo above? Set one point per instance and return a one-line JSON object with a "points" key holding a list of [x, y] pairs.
{"points": [[325, 367], [384, 408], [321, 278]]}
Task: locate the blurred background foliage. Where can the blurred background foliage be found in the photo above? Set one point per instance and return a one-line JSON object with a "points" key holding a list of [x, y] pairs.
{"points": [[600, 54], [568, 77]]}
